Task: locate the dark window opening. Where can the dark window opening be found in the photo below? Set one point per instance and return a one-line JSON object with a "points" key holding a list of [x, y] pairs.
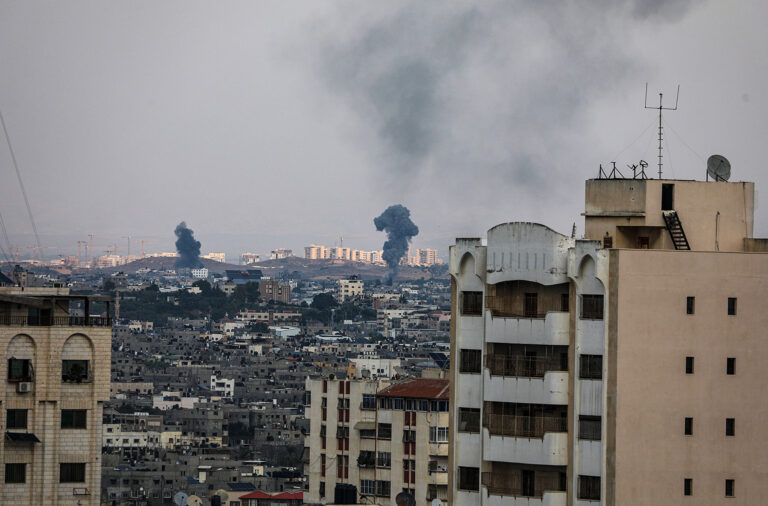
{"points": [[667, 197], [591, 307], [15, 473], [73, 418], [729, 488], [564, 303], [730, 426], [731, 306], [688, 426], [688, 486], [590, 428], [385, 431], [469, 478], [589, 488], [470, 361], [690, 305], [531, 309], [688, 365], [471, 303], [72, 473], [730, 367], [19, 369], [590, 366], [643, 242], [16, 419], [74, 370], [469, 420]]}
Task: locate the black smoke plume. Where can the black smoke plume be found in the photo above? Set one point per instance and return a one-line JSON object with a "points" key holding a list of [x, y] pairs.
{"points": [[396, 222], [187, 247]]}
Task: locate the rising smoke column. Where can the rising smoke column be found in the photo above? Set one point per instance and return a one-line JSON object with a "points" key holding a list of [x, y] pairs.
{"points": [[396, 222], [187, 247]]}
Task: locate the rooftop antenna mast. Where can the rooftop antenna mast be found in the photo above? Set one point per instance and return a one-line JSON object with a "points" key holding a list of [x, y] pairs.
{"points": [[661, 108]]}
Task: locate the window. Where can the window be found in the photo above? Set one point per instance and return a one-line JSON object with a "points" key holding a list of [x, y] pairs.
{"points": [[589, 487], [469, 420], [367, 487], [590, 428], [366, 459], [383, 488], [369, 401], [688, 365], [438, 434], [397, 404], [730, 366], [732, 306], [590, 366], [322, 464], [367, 433], [667, 197], [471, 303], [688, 486], [591, 307], [469, 478], [321, 490], [74, 370], [531, 308], [72, 473], [16, 419], [730, 426], [690, 305], [564, 302], [15, 473], [384, 459], [19, 369], [470, 361], [385, 431], [73, 418], [409, 436], [729, 485], [688, 430]]}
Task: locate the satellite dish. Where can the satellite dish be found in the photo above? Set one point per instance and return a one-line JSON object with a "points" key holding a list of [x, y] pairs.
{"points": [[719, 168], [193, 500], [436, 502], [180, 499], [223, 494], [405, 499]]}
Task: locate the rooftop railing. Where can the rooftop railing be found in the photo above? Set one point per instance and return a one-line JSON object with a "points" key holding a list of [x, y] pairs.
{"points": [[523, 426], [56, 321], [514, 484], [522, 366]]}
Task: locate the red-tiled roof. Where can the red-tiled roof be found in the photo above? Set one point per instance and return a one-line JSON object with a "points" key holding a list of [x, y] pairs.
{"points": [[418, 388], [282, 495]]}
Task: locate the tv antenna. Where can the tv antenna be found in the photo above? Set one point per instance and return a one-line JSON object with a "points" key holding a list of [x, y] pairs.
{"points": [[661, 108]]}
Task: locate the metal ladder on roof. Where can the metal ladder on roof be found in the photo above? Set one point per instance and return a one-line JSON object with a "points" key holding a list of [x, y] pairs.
{"points": [[676, 232]]}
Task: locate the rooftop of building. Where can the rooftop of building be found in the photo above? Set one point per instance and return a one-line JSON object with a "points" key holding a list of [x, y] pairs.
{"points": [[418, 388]]}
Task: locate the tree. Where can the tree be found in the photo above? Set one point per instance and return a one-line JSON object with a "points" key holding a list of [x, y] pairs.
{"points": [[323, 301]]}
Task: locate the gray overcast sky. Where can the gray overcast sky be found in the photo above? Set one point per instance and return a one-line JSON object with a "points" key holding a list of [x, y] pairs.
{"points": [[277, 124]]}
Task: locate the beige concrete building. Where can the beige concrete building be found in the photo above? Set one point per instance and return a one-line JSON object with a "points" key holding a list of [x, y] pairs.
{"points": [[272, 289], [348, 288], [56, 373], [381, 439], [623, 368]]}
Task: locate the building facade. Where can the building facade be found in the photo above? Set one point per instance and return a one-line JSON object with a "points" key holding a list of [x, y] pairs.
{"points": [[348, 288], [56, 370], [383, 440], [613, 369]]}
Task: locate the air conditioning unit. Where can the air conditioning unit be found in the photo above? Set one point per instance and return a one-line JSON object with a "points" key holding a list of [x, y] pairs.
{"points": [[24, 387]]}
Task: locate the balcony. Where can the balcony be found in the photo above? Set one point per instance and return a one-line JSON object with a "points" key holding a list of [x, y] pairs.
{"points": [[552, 329], [525, 487], [55, 321], [551, 388], [438, 449], [551, 449]]}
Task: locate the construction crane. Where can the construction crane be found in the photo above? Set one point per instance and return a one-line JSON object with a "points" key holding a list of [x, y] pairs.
{"points": [[142, 241], [90, 246], [79, 246], [128, 242]]}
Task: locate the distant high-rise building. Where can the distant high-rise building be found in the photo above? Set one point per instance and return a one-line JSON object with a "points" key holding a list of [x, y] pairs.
{"points": [[427, 256], [56, 368], [279, 254], [619, 368], [249, 258], [217, 257]]}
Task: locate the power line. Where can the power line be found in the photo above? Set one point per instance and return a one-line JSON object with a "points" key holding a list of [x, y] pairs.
{"points": [[7, 241], [21, 184]]}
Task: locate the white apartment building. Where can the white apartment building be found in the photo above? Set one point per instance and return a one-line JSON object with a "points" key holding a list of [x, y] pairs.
{"points": [[223, 386], [350, 288], [374, 367], [383, 440], [216, 256]]}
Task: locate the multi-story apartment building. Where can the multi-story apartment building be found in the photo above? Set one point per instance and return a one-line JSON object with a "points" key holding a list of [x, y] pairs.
{"points": [[427, 256], [351, 287], [383, 440], [623, 368], [272, 289], [56, 373]]}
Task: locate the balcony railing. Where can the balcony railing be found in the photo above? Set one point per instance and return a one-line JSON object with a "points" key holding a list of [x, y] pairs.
{"points": [[522, 366], [55, 321], [515, 484], [523, 426]]}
